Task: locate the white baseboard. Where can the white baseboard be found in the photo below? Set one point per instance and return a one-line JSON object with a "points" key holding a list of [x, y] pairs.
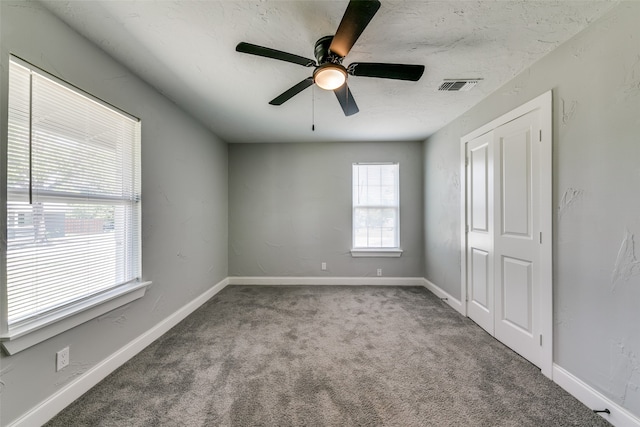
{"points": [[349, 281], [65, 396], [593, 399], [445, 296]]}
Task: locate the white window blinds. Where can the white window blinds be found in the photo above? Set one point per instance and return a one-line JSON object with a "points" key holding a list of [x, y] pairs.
{"points": [[376, 204], [73, 196]]}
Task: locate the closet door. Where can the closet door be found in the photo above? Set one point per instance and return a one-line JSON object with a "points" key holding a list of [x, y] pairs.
{"points": [[479, 165], [516, 242]]}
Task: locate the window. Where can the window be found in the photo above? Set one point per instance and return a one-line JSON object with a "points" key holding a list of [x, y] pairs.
{"points": [[376, 209], [73, 203]]}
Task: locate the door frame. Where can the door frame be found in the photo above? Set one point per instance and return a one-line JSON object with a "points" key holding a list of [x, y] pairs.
{"points": [[543, 103]]}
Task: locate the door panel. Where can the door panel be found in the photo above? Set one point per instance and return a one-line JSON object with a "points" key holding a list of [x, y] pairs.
{"points": [[516, 183], [479, 278], [480, 233], [516, 247], [478, 158], [517, 307]]}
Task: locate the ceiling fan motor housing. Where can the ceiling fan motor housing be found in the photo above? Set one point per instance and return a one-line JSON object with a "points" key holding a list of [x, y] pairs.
{"points": [[322, 53]]}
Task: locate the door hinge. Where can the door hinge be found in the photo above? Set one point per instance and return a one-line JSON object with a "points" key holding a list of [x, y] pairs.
{"points": [[541, 237], [466, 161], [466, 228], [540, 340], [540, 136]]}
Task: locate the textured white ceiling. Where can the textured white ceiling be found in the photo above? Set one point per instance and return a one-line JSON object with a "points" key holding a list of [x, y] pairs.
{"points": [[186, 49]]}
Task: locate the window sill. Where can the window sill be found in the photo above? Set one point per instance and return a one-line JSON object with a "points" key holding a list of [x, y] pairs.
{"points": [[32, 333], [376, 253]]}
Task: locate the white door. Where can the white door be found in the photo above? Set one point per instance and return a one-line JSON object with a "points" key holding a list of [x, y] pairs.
{"points": [[507, 278], [517, 236], [479, 164]]}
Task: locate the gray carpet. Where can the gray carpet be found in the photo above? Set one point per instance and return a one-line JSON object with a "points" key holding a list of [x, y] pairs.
{"points": [[326, 356]]}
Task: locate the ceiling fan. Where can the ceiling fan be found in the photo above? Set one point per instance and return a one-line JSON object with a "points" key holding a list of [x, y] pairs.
{"points": [[330, 51]]}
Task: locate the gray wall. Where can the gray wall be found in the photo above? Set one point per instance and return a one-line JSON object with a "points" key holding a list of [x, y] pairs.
{"points": [[442, 210], [290, 209], [595, 79], [184, 188]]}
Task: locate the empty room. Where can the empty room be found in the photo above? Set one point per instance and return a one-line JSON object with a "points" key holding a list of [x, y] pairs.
{"points": [[194, 231]]}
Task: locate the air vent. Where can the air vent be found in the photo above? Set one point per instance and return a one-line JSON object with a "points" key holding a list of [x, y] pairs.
{"points": [[455, 85]]}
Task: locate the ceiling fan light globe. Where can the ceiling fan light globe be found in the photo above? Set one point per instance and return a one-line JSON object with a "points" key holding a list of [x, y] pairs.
{"points": [[330, 76]]}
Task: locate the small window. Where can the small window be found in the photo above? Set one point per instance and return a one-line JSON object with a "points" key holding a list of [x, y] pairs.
{"points": [[376, 209], [73, 199]]}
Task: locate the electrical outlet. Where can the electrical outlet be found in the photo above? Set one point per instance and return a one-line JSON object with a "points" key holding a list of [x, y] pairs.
{"points": [[62, 358], [324, 266], [379, 272]]}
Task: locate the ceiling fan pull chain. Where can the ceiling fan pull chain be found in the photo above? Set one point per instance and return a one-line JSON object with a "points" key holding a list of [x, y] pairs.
{"points": [[313, 109]]}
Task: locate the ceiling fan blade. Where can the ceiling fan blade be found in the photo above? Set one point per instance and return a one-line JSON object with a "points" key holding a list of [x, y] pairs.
{"points": [[386, 71], [287, 95], [267, 52], [345, 98], [355, 19]]}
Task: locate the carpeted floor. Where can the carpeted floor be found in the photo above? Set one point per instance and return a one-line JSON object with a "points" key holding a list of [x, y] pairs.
{"points": [[326, 356]]}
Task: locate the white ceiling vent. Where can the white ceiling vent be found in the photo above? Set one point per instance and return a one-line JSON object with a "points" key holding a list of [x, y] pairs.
{"points": [[456, 85]]}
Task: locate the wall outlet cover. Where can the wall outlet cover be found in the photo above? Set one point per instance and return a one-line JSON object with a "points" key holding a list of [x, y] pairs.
{"points": [[62, 359]]}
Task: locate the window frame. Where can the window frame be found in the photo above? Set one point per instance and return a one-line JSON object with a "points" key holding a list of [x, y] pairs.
{"points": [[378, 252], [25, 334]]}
